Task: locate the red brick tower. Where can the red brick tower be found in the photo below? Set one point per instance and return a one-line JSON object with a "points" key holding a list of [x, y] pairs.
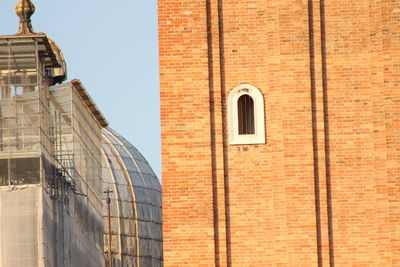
{"points": [[316, 180]]}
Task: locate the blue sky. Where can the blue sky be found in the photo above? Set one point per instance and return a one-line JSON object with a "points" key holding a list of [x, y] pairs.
{"points": [[112, 47]]}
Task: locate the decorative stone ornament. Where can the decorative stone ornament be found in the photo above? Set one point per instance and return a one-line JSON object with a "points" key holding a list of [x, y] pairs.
{"points": [[25, 9]]}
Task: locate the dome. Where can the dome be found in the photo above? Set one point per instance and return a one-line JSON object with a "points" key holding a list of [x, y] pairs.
{"points": [[24, 10], [136, 225], [59, 74]]}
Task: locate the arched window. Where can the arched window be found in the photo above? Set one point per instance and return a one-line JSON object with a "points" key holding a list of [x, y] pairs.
{"points": [[246, 115]]}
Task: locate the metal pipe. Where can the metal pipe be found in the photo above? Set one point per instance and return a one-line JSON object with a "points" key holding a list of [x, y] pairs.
{"points": [[108, 200]]}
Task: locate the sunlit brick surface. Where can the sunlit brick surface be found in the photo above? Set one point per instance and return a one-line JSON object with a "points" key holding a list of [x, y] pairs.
{"points": [[255, 205]]}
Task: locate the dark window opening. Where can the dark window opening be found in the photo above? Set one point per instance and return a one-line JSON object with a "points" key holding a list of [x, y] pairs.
{"points": [[25, 171], [3, 172], [246, 115], [18, 171]]}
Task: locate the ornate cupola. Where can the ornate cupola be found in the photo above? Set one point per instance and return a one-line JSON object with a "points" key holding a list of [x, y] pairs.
{"points": [[28, 61]]}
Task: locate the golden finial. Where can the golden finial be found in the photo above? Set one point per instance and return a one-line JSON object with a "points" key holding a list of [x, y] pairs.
{"points": [[25, 10]]}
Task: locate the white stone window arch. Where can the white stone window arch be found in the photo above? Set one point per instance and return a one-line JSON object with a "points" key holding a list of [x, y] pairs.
{"points": [[246, 115]]}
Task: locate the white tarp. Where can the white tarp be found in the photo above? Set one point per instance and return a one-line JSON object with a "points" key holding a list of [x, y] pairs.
{"points": [[19, 226], [36, 230]]}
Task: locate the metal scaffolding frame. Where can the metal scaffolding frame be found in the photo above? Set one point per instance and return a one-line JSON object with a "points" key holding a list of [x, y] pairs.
{"points": [[50, 161]]}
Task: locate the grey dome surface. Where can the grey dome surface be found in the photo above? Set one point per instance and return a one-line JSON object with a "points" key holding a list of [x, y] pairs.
{"points": [[136, 223]]}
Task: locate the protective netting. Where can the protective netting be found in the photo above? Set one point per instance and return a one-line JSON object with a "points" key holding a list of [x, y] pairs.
{"points": [[36, 230], [50, 164], [72, 236], [19, 226]]}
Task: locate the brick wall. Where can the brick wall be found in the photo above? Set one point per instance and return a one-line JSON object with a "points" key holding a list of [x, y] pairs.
{"points": [[324, 188]]}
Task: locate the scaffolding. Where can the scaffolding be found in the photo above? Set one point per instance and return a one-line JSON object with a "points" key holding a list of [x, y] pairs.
{"points": [[24, 114], [50, 161]]}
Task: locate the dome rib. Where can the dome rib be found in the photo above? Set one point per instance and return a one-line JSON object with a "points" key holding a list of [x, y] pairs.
{"points": [[131, 157], [116, 202], [133, 197], [128, 172]]}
